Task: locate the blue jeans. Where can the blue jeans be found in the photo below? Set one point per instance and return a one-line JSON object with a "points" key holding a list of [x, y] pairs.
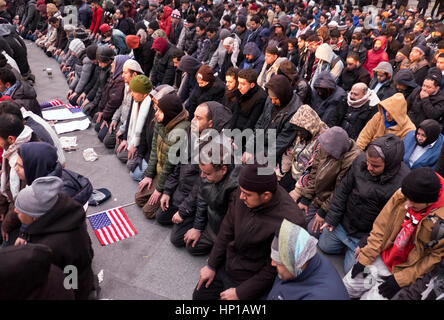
{"points": [[335, 242], [137, 174]]}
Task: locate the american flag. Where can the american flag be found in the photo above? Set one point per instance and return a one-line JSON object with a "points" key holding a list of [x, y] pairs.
{"points": [[52, 103], [111, 226], [72, 108]]}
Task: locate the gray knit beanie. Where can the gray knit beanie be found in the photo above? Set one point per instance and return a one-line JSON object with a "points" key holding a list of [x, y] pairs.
{"points": [[38, 198], [77, 46]]}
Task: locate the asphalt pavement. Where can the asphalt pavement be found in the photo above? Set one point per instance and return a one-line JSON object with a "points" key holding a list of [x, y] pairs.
{"points": [[146, 266]]}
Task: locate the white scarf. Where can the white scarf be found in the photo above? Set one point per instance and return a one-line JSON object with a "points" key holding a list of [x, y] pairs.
{"points": [[369, 96], [11, 155], [137, 121]]}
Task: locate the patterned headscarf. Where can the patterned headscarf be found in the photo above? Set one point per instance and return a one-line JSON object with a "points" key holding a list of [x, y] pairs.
{"points": [[295, 247]]}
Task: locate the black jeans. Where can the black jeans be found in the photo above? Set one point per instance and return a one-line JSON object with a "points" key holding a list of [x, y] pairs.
{"points": [[220, 283]]}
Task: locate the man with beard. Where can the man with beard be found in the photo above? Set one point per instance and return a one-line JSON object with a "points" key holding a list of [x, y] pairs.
{"points": [[253, 219], [427, 102], [372, 179], [353, 72], [356, 109]]}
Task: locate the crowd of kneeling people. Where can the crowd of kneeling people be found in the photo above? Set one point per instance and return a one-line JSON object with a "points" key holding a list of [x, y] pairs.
{"points": [[355, 126]]}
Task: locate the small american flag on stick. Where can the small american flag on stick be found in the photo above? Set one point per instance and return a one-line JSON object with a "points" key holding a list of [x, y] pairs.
{"points": [[111, 226]]}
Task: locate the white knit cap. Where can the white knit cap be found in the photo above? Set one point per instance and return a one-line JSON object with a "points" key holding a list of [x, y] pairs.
{"points": [[228, 41], [133, 65], [77, 46]]}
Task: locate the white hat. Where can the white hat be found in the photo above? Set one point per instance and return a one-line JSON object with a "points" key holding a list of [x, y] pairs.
{"points": [[133, 65]]}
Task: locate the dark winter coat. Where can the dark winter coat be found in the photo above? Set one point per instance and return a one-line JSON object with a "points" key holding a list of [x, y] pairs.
{"points": [[248, 109], [176, 29], [112, 97], [145, 55], [360, 197], [214, 199], [349, 78], [431, 107], [190, 40], [258, 58], [325, 108], [214, 91], [353, 120], [25, 95], [63, 229], [40, 160], [385, 91], [27, 273], [279, 120], [163, 69], [244, 241]]}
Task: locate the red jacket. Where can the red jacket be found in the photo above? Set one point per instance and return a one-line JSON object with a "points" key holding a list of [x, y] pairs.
{"points": [[96, 20], [165, 20], [375, 57]]}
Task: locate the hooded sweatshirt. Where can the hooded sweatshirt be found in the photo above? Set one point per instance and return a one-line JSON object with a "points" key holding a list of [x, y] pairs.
{"points": [[40, 160], [165, 20], [258, 57], [375, 57], [376, 127]]}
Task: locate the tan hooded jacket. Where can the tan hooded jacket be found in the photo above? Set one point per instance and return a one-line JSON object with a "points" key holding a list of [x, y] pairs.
{"points": [[396, 105]]}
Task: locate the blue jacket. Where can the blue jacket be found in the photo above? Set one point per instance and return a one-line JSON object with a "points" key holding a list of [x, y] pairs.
{"points": [[428, 159], [319, 281]]}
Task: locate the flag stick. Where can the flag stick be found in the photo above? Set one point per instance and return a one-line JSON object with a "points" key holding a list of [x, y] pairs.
{"points": [[125, 205]]}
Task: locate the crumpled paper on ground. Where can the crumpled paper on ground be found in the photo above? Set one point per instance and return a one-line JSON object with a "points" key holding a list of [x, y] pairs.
{"points": [[90, 155]]}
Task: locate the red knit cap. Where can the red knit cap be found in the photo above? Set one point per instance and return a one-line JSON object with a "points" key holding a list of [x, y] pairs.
{"points": [[132, 41], [104, 28], [160, 44]]}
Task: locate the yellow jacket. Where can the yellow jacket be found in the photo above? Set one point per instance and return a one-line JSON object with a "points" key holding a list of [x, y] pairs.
{"points": [[386, 227], [375, 128]]}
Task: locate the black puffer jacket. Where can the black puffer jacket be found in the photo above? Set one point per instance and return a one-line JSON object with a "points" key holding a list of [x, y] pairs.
{"points": [[213, 200], [26, 273], [360, 197], [63, 229]]}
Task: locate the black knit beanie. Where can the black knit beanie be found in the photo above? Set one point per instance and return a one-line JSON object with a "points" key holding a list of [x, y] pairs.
{"points": [[171, 106], [421, 185], [91, 51], [250, 180]]}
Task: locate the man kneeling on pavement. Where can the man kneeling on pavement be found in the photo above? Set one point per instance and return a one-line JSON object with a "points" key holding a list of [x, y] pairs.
{"points": [[399, 249]]}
